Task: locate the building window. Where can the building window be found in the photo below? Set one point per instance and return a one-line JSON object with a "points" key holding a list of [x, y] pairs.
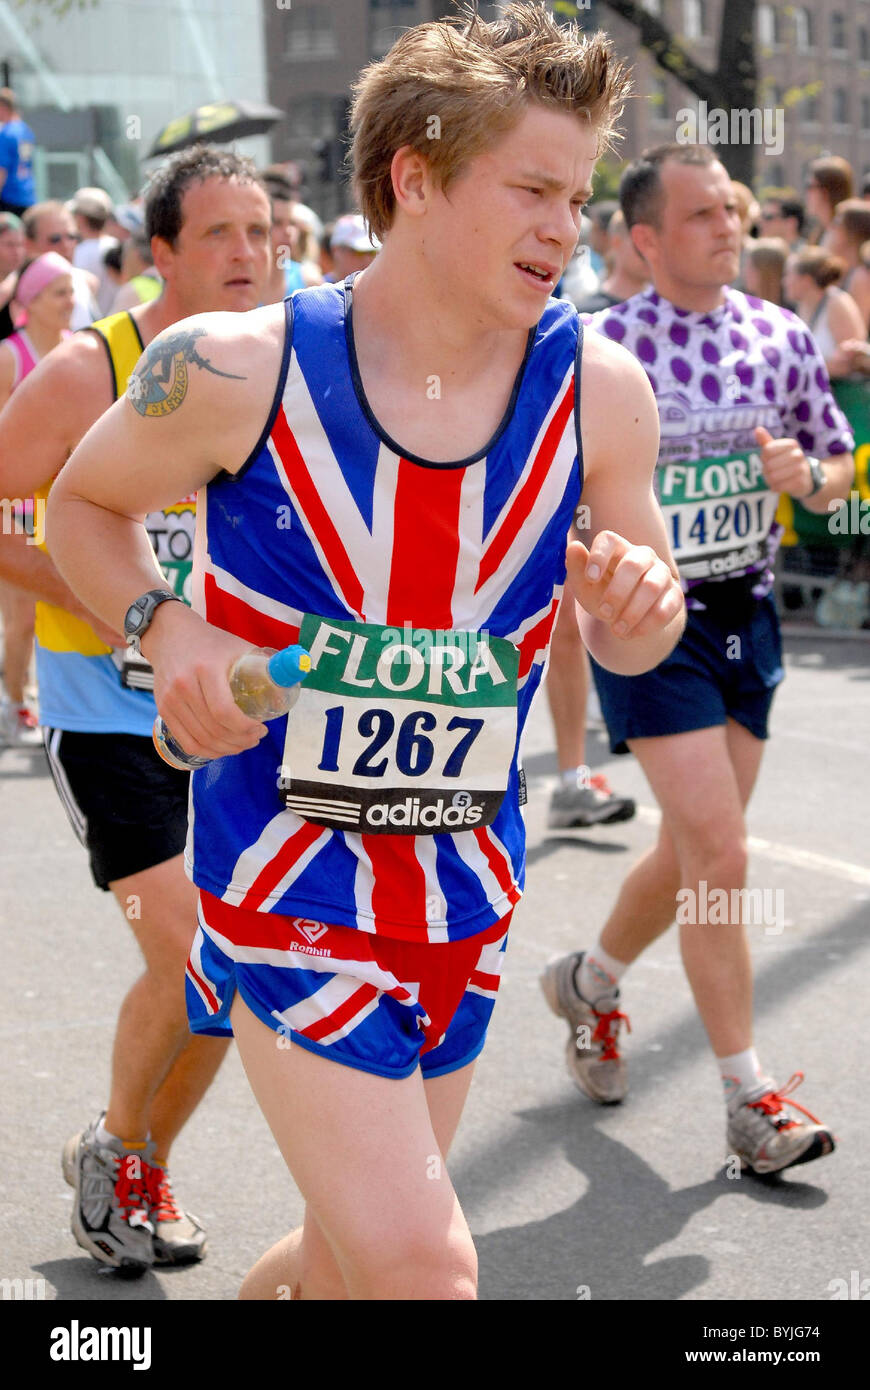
{"points": [[865, 113], [768, 25], [864, 45], [803, 27], [694, 19], [838, 32], [312, 118], [841, 106], [388, 18], [810, 110], [659, 99], [310, 33]]}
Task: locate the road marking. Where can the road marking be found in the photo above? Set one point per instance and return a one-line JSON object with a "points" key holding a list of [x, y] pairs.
{"points": [[787, 854]]}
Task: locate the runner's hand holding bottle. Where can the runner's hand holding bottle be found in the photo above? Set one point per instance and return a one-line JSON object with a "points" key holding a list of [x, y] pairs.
{"points": [[264, 684]]}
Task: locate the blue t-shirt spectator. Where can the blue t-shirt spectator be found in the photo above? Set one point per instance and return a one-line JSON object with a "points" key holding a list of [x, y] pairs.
{"points": [[17, 143], [293, 279]]}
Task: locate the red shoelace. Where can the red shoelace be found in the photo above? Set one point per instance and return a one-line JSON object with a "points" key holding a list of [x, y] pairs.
{"points": [[163, 1204], [772, 1103], [602, 1034], [132, 1188]]}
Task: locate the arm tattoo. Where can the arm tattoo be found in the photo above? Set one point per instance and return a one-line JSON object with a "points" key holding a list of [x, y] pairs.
{"points": [[159, 383]]}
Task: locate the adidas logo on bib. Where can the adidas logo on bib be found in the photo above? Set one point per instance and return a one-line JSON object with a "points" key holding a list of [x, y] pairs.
{"points": [[454, 815]]}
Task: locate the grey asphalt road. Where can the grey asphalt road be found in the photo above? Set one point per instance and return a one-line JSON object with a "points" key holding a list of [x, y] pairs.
{"points": [[566, 1200]]}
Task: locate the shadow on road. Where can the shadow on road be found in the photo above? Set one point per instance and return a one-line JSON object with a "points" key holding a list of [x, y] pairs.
{"points": [[551, 843], [597, 1248], [80, 1277], [629, 1211]]}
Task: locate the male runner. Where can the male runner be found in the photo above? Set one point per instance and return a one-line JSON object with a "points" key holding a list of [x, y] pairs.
{"points": [[357, 928], [745, 406], [208, 221]]}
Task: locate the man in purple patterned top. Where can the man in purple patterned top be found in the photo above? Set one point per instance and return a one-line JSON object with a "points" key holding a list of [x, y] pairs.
{"points": [[746, 413]]}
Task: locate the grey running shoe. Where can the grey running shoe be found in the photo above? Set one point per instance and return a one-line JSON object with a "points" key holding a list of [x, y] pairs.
{"points": [[179, 1238], [764, 1137], [596, 804], [110, 1212], [591, 1053], [19, 726]]}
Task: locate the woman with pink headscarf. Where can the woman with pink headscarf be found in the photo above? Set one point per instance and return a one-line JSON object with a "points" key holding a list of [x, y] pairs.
{"points": [[44, 299]]}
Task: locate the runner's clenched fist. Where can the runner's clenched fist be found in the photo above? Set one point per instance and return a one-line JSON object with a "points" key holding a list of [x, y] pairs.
{"points": [[786, 466], [626, 586]]}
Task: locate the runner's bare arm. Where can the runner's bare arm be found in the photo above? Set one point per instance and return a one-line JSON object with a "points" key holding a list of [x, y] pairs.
{"points": [[195, 405], [40, 424], [634, 612]]}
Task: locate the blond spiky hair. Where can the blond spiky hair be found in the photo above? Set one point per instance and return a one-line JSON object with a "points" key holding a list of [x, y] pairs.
{"points": [[451, 88]]}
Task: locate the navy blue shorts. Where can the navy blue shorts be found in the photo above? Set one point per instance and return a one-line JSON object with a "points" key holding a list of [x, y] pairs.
{"points": [[719, 670]]}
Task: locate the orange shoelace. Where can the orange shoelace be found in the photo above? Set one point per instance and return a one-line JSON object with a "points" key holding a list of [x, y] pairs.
{"points": [[601, 784], [602, 1034], [772, 1103]]}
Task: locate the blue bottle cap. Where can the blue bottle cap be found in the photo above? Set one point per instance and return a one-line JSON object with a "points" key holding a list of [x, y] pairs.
{"points": [[290, 666]]}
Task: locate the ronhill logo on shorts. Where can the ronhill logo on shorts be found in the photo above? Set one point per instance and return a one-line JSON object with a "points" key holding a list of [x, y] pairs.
{"points": [[312, 931], [75, 1343]]}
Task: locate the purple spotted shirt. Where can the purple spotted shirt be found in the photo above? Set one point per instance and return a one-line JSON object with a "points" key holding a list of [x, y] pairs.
{"points": [[716, 376]]}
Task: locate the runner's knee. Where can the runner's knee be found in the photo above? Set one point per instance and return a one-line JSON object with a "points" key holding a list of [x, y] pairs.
{"points": [[717, 860], [416, 1266]]}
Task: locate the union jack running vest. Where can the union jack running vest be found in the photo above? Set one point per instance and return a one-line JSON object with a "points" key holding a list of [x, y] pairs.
{"points": [[427, 593]]}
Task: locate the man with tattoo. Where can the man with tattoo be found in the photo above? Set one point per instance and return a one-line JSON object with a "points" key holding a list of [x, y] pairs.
{"points": [[207, 218], [358, 861]]}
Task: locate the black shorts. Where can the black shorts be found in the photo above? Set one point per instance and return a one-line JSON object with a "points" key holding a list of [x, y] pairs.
{"points": [[127, 806], [720, 669]]}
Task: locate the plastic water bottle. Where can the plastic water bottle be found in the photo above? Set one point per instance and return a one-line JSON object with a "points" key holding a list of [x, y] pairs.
{"points": [[265, 685]]}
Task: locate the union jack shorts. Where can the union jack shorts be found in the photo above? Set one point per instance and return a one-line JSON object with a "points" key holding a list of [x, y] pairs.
{"points": [[369, 1002]]}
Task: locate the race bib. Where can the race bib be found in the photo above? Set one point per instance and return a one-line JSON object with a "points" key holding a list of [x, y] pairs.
{"points": [[171, 533], [400, 732], [719, 514]]}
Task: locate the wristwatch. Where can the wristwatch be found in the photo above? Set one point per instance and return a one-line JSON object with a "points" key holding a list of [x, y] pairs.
{"points": [[818, 475], [140, 615]]}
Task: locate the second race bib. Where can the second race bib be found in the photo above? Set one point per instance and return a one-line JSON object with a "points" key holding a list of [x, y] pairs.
{"points": [[719, 513], [401, 733], [171, 533]]}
